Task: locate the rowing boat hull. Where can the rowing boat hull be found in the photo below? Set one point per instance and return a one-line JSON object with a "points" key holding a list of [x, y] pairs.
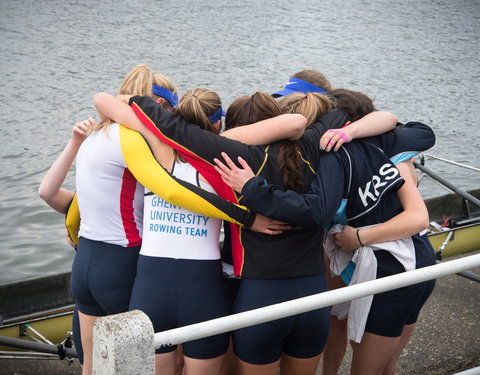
{"points": [[45, 304], [464, 232], [463, 240], [53, 327]]}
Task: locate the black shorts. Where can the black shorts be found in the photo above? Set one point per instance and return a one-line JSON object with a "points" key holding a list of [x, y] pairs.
{"points": [[102, 277], [178, 292], [300, 336], [392, 310]]}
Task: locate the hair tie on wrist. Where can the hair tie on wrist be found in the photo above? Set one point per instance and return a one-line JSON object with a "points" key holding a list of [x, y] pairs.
{"points": [[359, 240], [341, 134]]}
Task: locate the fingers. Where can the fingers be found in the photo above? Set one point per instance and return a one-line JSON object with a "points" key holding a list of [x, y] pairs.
{"points": [[222, 170], [229, 161], [280, 227], [331, 141], [83, 126], [328, 140], [220, 166], [272, 232], [244, 164]]}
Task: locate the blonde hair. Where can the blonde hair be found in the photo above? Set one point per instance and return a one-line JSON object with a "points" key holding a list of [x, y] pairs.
{"points": [[315, 78], [312, 105], [139, 81], [196, 105]]}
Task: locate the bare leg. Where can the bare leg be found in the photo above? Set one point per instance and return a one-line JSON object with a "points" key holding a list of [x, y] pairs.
{"points": [[211, 366], [249, 369], [180, 362], [337, 335], [86, 332], [335, 347], [391, 368], [371, 356], [230, 365], [299, 366], [166, 363]]}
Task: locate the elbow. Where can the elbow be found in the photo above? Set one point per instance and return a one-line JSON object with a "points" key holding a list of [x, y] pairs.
{"points": [[43, 193], [299, 123], [426, 222], [98, 98], [423, 221], [392, 119]]}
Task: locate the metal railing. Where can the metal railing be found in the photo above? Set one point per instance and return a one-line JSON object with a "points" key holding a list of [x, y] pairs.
{"points": [[316, 301], [126, 341]]}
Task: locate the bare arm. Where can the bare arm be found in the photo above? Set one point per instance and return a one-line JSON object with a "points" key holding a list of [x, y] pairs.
{"points": [[374, 123], [117, 109], [287, 126], [412, 220], [50, 189]]}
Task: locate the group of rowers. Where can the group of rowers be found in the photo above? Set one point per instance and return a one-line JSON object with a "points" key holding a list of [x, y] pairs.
{"points": [[315, 188]]}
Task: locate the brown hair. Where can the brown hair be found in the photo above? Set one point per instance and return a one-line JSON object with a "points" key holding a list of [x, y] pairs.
{"points": [[195, 106], [249, 109], [315, 78], [312, 105], [260, 106], [355, 103]]}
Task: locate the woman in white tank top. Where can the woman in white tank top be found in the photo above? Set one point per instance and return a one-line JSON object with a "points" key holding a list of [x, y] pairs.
{"points": [[111, 206]]}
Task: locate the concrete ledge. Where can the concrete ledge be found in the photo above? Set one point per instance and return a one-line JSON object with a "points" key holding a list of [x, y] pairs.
{"points": [[123, 344]]}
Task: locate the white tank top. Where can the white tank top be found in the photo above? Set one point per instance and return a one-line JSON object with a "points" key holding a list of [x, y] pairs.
{"points": [[174, 232], [109, 198]]}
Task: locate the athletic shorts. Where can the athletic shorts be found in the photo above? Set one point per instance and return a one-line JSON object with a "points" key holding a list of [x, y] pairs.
{"points": [[178, 292], [102, 277], [392, 310], [300, 336]]}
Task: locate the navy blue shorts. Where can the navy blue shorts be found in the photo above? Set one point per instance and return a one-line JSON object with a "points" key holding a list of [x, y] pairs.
{"points": [[178, 292], [392, 310], [102, 277], [300, 336]]}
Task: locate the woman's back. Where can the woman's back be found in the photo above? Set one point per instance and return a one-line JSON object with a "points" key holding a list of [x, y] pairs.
{"points": [[294, 253], [183, 234], [109, 197]]}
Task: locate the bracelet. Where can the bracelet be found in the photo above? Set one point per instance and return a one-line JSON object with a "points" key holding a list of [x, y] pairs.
{"points": [[359, 240]]}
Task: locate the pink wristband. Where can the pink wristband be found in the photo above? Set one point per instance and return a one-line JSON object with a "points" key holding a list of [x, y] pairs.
{"points": [[341, 134]]}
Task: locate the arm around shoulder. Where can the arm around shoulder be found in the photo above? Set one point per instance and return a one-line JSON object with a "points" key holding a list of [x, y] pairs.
{"points": [[374, 123], [286, 126]]}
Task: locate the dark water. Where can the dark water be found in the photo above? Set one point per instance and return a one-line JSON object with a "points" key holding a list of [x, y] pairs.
{"points": [[419, 59]]}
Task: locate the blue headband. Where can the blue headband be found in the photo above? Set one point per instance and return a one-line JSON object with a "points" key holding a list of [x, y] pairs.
{"points": [[217, 115], [299, 85], [166, 94]]}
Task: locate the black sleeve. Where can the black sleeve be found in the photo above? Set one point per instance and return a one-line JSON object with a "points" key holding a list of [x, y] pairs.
{"points": [[175, 131], [310, 144], [314, 208], [413, 136]]}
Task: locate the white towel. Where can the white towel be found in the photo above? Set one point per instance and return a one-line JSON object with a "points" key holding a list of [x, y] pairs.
{"points": [[365, 269]]}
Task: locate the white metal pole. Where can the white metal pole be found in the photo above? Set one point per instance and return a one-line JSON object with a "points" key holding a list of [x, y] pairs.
{"points": [[300, 305], [472, 371]]}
